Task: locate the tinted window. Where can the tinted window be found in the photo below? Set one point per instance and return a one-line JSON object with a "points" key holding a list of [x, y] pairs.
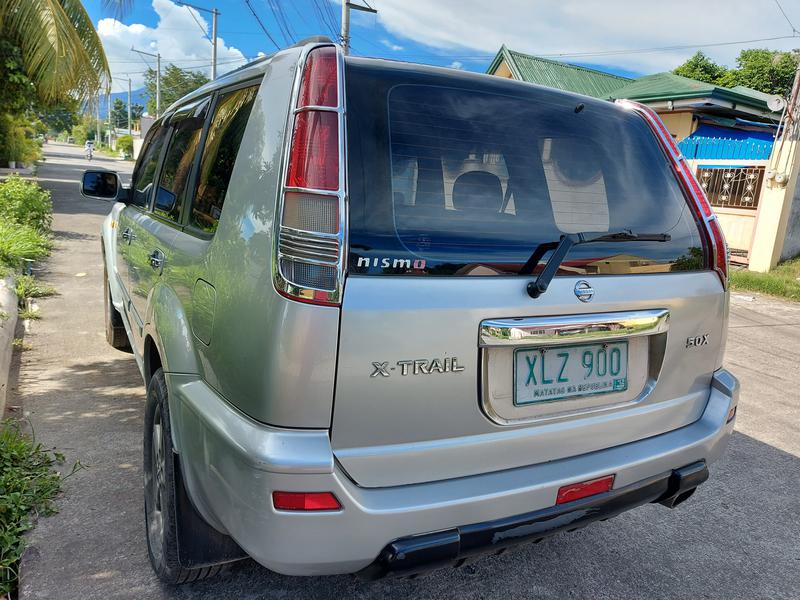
{"points": [[146, 167], [469, 180], [219, 156], [178, 161]]}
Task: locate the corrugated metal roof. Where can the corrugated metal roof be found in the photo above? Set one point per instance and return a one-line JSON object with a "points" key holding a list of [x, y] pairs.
{"points": [[668, 86], [559, 75]]}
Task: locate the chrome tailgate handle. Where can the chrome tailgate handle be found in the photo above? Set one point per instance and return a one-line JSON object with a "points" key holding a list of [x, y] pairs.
{"points": [[525, 331]]}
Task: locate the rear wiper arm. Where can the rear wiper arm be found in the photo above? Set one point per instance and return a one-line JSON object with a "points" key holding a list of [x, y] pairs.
{"points": [[564, 245]]}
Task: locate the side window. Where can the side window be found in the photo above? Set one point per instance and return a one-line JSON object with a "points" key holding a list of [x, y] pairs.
{"points": [[173, 186], [146, 168], [219, 156]]}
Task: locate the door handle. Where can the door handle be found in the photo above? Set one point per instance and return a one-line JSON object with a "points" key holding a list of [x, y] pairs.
{"points": [[156, 259], [128, 235]]}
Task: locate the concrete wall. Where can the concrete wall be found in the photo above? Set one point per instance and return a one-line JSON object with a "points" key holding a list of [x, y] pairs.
{"points": [[791, 243], [680, 124]]}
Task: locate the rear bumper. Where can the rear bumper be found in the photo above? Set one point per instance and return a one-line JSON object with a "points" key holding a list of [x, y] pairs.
{"points": [[453, 547], [232, 465]]}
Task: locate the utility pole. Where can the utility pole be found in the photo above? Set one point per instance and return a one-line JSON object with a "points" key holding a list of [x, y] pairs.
{"points": [[213, 39], [97, 119], [157, 56], [345, 34], [130, 125], [108, 112]]}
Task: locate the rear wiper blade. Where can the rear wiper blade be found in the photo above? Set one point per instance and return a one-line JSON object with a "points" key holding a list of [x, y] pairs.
{"points": [[564, 245]]}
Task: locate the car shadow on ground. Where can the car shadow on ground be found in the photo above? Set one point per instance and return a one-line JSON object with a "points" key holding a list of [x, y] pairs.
{"points": [[740, 522]]}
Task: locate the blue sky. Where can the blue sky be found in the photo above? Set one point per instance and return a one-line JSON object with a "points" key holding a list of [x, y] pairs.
{"points": [[606, 34]]}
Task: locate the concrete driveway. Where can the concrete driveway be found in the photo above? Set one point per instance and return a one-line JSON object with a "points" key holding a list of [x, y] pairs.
{"points": [[738, 537]]}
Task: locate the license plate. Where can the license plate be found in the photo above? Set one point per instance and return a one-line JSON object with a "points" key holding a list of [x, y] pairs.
{"points": [[557, 373]]}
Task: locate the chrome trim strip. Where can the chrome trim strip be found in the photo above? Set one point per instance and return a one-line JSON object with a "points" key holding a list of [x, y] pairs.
{"points": [[526, 331], [281, 283]]}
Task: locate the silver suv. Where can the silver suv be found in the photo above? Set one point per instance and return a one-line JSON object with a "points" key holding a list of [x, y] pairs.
{"points": [[392, 317]]}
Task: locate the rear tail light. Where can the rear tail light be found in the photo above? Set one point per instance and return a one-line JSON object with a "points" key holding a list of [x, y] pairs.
{"points": [[305, 501], [584, 489], [715, 246], [311, 245]]}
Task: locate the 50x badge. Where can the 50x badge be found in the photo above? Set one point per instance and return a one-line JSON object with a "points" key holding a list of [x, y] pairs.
{"points": [[419, 366]]}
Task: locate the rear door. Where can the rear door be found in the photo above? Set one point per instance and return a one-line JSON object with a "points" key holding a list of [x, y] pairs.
{"points": [[447, 366], [141, 194], [156, 229]]}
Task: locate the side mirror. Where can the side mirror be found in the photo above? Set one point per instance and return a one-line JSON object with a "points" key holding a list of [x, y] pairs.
{"points": [[100, 184], [165, 200]]}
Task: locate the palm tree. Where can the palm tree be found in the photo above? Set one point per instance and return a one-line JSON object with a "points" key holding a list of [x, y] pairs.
{"points": [[61, 51]]}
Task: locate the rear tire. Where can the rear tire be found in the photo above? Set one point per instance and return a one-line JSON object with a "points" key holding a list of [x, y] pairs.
{"points": [[159, 491], [116, 335]]}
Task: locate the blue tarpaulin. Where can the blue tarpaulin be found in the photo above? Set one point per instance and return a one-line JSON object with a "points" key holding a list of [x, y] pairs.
{"points": [[709, 142]]}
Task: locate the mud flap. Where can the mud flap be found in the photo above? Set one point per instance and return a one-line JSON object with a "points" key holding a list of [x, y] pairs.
{"points": [[199, 544]]}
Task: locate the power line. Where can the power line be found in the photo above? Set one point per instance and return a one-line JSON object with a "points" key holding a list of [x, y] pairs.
{"points": [[260, 24], [612, 52], [783, 12]]}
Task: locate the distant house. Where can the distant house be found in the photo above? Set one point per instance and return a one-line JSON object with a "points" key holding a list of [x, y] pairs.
{"points": [[555, 74], [727, 134]]}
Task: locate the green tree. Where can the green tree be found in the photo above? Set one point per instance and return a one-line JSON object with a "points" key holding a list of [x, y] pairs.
{"points": [[119, 113], [60, 51], [768, 71], [175, 83], [59, 116], [702, 68]]}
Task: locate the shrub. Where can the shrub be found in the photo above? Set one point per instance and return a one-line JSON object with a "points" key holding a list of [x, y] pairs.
{"points": [[26, 203], [20, 242], [81, 134], [125, 145]]}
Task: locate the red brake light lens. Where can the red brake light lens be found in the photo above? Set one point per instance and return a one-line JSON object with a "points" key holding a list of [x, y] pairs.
{"points": [[319, 86], [584, 489], [314, 158], [305, 501]]}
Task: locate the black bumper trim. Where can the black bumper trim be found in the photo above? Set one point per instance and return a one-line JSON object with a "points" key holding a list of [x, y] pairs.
{"points": [[419, 553]]}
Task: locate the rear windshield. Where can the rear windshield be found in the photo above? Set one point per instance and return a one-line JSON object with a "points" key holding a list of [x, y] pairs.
{"points": [[462, 176]]}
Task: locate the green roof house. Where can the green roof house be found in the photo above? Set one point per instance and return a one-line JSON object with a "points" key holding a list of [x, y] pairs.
{"points": [[555, 74]]}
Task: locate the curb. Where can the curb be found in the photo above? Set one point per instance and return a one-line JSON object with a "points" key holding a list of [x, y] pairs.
{"points": [[8, 304]]}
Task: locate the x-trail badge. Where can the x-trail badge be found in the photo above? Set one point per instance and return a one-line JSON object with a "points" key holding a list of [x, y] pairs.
{"points": [[583, 291]]}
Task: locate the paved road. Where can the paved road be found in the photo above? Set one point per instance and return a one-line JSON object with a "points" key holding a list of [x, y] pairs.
{"points": [[737, 538]]}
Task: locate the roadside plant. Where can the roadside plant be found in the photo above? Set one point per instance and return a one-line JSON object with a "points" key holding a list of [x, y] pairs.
{"points": [[27, 286], [26, 203], [28, 485], [19, 243], [30, 314]]}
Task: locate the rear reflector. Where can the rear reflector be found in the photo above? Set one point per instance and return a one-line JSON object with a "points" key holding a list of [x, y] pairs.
{"points": [[305, 501], [576, 491], [314, 158]]}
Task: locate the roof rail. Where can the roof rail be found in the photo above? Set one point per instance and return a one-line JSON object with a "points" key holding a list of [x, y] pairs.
{"points": [[314, 39]]}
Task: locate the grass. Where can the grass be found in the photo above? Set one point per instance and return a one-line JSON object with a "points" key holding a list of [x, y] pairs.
{"points": [[29, 313], [782, 281], [27, 287], [19, 344], [20, 242], [28, 485]]}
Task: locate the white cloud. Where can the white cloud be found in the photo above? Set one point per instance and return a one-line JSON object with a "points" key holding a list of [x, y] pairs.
{"points": [[392, 46], [177, 37], [462, 29], [456, 64]]}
